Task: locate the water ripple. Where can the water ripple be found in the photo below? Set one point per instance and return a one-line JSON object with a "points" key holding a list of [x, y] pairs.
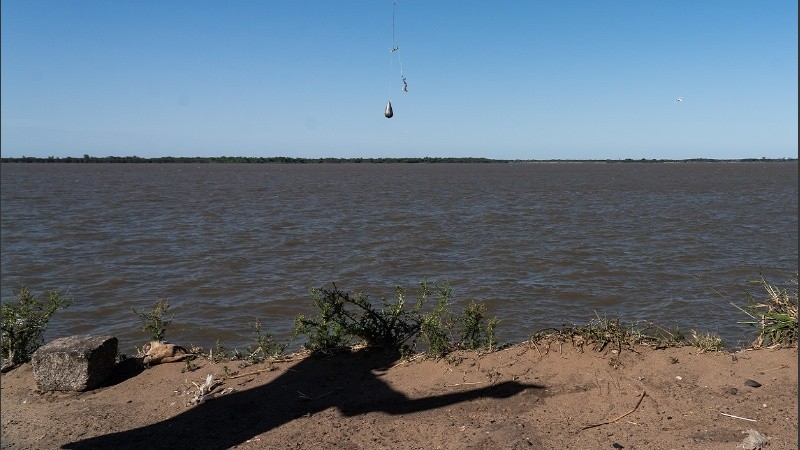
{"points": [[541, 244]]}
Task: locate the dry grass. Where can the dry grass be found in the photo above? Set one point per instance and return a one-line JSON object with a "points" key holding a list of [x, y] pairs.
{"points": [[706, 342], [602, 333], [775, 316]]}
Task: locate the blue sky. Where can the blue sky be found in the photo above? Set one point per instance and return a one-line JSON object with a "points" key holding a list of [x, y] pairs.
{"points": [[546, 79]]}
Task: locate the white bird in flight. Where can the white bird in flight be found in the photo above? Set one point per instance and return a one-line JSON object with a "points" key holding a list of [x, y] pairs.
{"points": [[679, 99]]}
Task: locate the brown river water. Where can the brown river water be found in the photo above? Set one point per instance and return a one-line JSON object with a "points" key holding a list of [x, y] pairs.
{"points": [[541, 244]]}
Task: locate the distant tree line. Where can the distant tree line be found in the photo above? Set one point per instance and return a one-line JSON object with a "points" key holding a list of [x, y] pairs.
{"points": [[290, 160], [241, 160]]}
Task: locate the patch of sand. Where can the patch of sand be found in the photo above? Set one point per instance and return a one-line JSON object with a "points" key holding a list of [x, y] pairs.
{"points": [[521, 397]]}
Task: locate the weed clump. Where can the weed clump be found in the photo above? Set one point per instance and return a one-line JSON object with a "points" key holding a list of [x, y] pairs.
{"points": [[218, 353], [23, 324], [154, 322], [602, 333], [775, 316], [706, 342], [265, 347]]}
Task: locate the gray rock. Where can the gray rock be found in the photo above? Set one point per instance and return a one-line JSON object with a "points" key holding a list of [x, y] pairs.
{"points": [[752, 383], [754, 440], [74, 363]]}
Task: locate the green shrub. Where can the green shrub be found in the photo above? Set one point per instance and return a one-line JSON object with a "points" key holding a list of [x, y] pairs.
{"points": [[345, 320], [436, 326], [326, 331], [23, 324], [477, 332], [154, 322]]}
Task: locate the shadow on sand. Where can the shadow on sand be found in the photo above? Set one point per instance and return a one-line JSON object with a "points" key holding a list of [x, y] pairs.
{"points": [[350, 382], [123, 371]]}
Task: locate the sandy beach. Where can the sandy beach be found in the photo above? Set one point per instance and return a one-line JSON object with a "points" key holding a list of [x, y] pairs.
{"points": [[548, 395]]}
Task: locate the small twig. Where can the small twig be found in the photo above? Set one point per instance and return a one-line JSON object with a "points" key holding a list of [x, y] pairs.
{"points": [[742, 310], [737, 417], [258, 349], [305, 397], [268, 369], [618, 417], [536, 347], [283, 360], [465, 384], [403, 362], [230, 377]]}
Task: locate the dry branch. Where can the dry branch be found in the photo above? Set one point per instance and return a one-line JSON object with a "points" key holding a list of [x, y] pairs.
{"points": [[618, 417]]}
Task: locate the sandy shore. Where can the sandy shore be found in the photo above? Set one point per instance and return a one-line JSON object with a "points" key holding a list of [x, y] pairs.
{"points": [[523, 396]]}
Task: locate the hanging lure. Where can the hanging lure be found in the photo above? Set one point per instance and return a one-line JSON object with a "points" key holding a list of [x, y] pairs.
{"points": [[388, 112]]}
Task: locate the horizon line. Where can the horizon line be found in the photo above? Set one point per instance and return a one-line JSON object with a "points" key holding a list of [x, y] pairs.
{"points": [[290, 159]]}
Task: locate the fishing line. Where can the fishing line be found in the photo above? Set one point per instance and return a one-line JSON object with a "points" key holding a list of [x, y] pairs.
{"points": [[396, 48], [394, 53]]}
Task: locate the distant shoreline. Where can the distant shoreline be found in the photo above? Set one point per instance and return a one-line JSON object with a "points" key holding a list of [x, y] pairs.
{"points": [[86, 159]]}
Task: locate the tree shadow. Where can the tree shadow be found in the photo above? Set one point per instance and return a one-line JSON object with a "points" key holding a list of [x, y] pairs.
{"points": [[350, 382]]}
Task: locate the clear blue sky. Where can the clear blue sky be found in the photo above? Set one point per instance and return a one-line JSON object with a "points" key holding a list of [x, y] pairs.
{"points": [[545, 79]]}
